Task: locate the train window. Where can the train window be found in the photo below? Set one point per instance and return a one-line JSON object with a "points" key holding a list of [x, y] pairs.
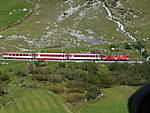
{"points": [[115, 57], [109, 56], [76, 55], [20, 54], [101, 55]]}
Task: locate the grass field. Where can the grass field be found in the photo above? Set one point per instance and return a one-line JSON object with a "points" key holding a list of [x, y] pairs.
{"points": [[114, 101], [35, 101], [12, 10]]}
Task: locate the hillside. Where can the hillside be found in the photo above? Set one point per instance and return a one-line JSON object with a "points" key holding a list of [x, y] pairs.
{"points": [[36, 87], [81, 24]]}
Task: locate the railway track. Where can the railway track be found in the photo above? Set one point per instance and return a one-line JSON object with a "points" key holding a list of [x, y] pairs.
{"points": [[35, 60]]}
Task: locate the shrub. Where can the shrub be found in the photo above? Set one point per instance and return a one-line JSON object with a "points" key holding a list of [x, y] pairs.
{"points": [[75, 84], [25, 84], [57, 90], [68, 73], [90, 67], [118, 67], [62, 65], [107, 80], [30, 69], [55, 79], [127, 46], [75, 90], [4, 77], [40, 77], [20, 73], [92, 92], [3, 91], [74, 97], [113, 46]]}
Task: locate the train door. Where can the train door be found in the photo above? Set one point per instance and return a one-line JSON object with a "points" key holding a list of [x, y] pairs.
{"points": [[109, 57], [99, 57], [66, 56], [102, 57], [34, 56]]}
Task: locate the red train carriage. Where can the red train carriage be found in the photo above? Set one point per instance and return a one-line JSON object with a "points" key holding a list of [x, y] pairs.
{"points": [[52, 56], [115, 57], [66, 56]]}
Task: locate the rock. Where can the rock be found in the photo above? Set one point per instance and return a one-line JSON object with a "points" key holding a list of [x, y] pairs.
{"points": [[24, 9], [1, 36], [10, 13]]}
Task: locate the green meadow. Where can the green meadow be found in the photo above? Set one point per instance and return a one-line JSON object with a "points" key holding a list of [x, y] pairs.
{"points": [[35, 101], [13, 10], [115, 100]]}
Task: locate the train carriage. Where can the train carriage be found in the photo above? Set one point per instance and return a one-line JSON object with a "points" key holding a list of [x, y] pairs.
{"points": [[18, 55], [66, 56]]}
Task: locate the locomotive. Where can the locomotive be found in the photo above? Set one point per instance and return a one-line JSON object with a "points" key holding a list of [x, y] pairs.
{"points": [[66, 56]]}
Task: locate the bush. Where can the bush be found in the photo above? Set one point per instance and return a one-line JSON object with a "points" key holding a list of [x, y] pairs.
{"points": [[90, 67], [25, 84], [118, 67], [75, 90], [127, 46], [107, 80], [74, 97], [21, 73], [40, 77], [4, 77], [30, 69], [57, 90], [62, 65], [68, 73], [75, 84], [93, 92], [3, 91], [55, 79]]}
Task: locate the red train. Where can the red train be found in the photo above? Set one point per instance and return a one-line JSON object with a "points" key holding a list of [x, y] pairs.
{"points": [[66, 56]]}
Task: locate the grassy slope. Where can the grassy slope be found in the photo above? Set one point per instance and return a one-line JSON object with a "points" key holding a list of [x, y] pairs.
{"points": [[141, 23], [48, 13], [15, 7], [43, 21], [114, 101], [35, 101]]}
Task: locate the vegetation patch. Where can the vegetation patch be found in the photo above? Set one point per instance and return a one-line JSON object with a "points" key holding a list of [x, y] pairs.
{"points": [[13, 10], [25, 84]]}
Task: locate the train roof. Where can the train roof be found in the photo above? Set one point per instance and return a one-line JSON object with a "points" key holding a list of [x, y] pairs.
{"points": [[62, 53]]}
